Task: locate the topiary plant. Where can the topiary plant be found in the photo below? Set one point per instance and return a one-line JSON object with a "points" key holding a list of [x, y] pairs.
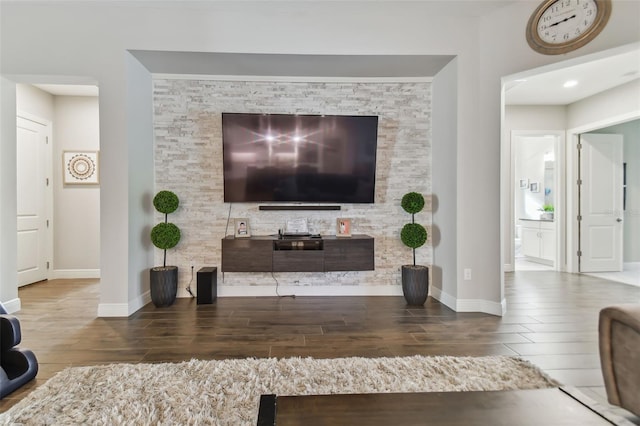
{"points": [[165, 235], [413, 234]]}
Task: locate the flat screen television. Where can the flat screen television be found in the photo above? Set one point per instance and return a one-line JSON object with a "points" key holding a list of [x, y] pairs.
{"points": [[299, 158]]}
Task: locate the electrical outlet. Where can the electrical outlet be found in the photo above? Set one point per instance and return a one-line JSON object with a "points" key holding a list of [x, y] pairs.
{"points": [[467, 274]]}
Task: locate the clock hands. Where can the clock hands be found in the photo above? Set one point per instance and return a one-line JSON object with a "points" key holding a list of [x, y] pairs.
{"points": [[564, 20]]}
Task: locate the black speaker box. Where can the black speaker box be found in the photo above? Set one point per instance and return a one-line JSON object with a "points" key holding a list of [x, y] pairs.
{"points": [[207, 285]]}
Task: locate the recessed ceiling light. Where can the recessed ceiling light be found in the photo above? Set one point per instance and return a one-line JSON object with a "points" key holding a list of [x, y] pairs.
{"points": [[570, 83]]}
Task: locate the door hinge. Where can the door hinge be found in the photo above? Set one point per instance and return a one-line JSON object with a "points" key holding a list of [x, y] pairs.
{"points": [[47, 265], [579, 181], [579, 253], [47, 181], [579, 217], [579, 145], [47, 223], [46, 138]]}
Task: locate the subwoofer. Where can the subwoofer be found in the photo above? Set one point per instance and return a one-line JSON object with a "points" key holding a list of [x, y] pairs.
{"points": [[207, 279]]}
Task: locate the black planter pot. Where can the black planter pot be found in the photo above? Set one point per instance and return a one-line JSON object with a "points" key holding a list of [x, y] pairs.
{"points": [[415, 284], [164, 285]]}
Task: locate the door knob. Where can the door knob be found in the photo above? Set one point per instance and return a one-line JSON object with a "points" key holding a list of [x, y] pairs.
{"points": [[618, 220]]}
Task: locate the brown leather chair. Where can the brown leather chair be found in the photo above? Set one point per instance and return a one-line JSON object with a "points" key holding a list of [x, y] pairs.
{"points": [[619, 333]]}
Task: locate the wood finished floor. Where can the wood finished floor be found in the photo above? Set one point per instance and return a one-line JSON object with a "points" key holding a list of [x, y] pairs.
{"points": [[551, 321]]}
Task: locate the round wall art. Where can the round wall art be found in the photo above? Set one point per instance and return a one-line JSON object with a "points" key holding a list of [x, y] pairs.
{"points": [[80, 167]]}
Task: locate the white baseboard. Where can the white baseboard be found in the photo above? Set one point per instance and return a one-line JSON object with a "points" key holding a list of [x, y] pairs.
{"points": [[469, 305], [481, 305], [458, 305], [62, 274], [106, 310], [346, 290], [13, 305], [442, 297], [126, 309]]}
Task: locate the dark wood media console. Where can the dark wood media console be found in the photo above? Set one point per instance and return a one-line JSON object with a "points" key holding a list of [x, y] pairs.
{"points": [[303, 254]]}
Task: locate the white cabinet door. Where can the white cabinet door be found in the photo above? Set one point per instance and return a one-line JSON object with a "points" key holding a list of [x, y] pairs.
{"points": [[548, 244], [530, 242]]}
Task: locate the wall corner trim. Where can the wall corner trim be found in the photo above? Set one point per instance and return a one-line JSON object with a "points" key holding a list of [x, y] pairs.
{"points": [[107, 310], [469, 305], [481, 305], [442, 297]]}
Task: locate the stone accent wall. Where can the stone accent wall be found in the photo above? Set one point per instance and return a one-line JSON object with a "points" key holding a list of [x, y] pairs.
{"points": [[188, 160]]}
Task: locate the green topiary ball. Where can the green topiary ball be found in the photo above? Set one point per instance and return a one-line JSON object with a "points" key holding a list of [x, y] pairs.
{"points": [[166, 202], [165, 235], [413, 235], [412, 202]]}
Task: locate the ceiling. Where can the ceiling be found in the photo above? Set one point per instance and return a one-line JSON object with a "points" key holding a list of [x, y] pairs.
{"points": [[542, 87], [595, 76], [69, 89]]}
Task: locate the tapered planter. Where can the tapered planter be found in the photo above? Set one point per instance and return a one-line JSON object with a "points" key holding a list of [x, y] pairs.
{"points": [[164, 285], [415, 284]]}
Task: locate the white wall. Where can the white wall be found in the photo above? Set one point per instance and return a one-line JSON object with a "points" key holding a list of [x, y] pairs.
{"points": [[619, 104], [534, 117], [8, 185], [76, 207], [34, 101], [444, 236], [140, 170], [96, 36], [630, 132]]}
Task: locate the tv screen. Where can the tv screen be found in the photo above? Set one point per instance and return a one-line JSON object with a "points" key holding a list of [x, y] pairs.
{"points": [[299, 158]]}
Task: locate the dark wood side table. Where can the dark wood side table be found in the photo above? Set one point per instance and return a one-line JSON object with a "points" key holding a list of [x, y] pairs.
{"points": [[552, 406]]}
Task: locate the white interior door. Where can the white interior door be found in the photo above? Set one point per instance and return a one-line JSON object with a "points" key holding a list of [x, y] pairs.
{"points": [[31, 201], [601, 202]]}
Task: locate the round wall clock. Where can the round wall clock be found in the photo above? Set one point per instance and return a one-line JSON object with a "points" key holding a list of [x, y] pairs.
{"points": [[560, 26]]}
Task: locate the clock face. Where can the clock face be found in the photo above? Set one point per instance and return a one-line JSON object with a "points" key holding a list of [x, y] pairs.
{"points": [[566, 20], [560, 26]]}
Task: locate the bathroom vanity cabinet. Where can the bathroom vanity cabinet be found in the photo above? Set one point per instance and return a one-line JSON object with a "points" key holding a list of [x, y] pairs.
{"points": [[539, 240]]}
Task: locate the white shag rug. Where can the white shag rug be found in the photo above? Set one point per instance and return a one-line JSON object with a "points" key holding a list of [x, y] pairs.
{"points": [[228, 392]]}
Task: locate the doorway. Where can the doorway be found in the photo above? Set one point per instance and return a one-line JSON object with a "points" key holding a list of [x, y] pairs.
{"points": [[70, 124], [543, 99], [623, 217], [536, 227]]}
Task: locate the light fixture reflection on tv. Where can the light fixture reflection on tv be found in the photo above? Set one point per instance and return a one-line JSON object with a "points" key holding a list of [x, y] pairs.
{"points": [[299, 158]]}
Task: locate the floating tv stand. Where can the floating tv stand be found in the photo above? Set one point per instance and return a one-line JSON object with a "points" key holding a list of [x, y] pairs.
{"points": [[301, 254]]}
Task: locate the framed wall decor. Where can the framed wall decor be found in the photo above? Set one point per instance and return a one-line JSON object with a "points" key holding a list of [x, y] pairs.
{"points": [[524, 183], [534, 187], [80, 168], [242, 228], [343, 227]]}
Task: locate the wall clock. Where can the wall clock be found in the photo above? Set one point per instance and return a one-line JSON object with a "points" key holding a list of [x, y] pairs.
{"points": [[560, 26]]}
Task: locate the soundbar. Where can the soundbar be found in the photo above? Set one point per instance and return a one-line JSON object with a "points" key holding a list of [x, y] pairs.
{"points": [[297, 207]]}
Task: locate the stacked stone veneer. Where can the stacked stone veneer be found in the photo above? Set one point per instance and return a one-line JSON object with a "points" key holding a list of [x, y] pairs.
{"points": [[188, 160]]}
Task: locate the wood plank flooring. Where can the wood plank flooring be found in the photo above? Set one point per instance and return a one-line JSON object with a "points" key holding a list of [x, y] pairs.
{"points": [[551, 321]]}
